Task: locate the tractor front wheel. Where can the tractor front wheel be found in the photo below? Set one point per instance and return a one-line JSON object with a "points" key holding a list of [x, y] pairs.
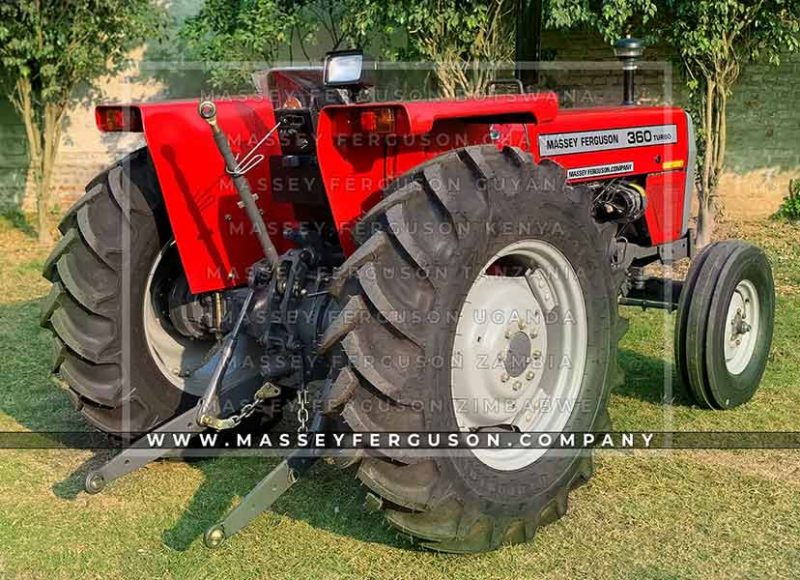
{"points": [[723, 332], [481, 299]]}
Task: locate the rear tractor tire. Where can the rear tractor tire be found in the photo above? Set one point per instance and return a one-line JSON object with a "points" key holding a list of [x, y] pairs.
{"points": [[122, 208], [482, 297]]}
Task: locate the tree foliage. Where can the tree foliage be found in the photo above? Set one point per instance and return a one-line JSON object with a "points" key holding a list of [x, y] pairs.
{"points": [[50, 47], [466, 42], [452, 35], [713, 40]]}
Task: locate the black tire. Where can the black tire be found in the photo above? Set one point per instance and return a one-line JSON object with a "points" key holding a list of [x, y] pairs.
{"points": [[399, 274], [681, 324], [702, 324], [84, 309]]}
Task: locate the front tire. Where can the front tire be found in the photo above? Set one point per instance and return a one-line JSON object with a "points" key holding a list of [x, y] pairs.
{"points": [[725, 321], [403, 292]]}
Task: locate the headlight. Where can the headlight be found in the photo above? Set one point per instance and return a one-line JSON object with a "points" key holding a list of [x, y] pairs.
{"points": [[343, 68]]}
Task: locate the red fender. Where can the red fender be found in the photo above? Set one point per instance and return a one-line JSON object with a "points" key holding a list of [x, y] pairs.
{"points": [[213, 234]]}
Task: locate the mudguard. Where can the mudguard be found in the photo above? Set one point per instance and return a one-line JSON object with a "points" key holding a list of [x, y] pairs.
{"points": [[213, 235]]}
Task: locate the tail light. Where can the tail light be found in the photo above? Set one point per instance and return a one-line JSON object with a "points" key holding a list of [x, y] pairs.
{"points": [[113, 118], [379, 120]]}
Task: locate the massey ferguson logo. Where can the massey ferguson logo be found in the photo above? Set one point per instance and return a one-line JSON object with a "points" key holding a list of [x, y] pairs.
{"points": [[587, 141]]}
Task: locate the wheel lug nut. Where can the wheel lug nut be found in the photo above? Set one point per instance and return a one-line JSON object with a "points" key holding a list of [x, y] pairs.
{"points": [[504, 377], [738, 341], [530, 375], [517, 385], [537, 354], [522, 325]]}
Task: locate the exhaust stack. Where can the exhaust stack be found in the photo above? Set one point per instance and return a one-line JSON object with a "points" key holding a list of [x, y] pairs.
{"points": [[628, 50]]}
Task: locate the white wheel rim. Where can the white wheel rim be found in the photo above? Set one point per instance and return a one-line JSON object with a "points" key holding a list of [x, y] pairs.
{"points": [[188, 364], [741, 327], [520, 349]]}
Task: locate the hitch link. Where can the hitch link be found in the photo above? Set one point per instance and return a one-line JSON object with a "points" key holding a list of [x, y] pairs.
{"points": [[208, 408], [273, 486], [208, 111]]}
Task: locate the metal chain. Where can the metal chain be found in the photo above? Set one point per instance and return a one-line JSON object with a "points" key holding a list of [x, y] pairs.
{"points": [[247, 411], [265, 392], [302, 410]]}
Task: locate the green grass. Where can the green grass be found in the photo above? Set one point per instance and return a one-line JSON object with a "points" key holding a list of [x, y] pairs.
{"points": [[645, 515]]}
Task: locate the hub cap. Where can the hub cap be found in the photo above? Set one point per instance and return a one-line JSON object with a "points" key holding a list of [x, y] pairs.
{"points": [[741, 327], [520, 348]]}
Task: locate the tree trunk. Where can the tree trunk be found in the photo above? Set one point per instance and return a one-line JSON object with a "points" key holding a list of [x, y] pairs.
{"points": [[705, 214], [706, 218], [43, 132], [51, 135]]}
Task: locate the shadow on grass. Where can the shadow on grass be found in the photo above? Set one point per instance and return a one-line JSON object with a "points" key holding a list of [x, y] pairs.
{"points": [[326, 498], [18, 220], [28, 393], [648, 379]]}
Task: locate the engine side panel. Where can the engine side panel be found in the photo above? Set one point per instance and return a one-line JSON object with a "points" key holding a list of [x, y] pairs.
{"points": [[608, 143], [212, 232], [591, 145]]}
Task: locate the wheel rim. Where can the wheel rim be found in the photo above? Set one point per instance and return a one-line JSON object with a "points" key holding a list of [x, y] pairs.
{"points": [[741, 327], [188, 364], [520, 348]]}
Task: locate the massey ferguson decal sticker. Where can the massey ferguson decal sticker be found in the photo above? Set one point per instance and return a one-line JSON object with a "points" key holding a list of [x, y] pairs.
{"points": [[587, 141], [600, 170]]}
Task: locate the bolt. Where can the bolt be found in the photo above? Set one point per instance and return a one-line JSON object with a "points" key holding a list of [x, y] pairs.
{"points": [[517, 385], [504, 377], [530, 375], [215, 537]]}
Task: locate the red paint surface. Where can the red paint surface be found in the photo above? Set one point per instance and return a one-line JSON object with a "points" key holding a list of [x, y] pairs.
{"points": [[356, 168], [214, 236]]}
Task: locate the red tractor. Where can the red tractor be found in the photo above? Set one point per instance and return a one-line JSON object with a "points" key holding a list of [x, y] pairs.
{"points": [[439, 266]]}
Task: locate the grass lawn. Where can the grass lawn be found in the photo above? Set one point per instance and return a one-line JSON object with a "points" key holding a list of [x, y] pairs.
{"points": [[649, 515]]}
